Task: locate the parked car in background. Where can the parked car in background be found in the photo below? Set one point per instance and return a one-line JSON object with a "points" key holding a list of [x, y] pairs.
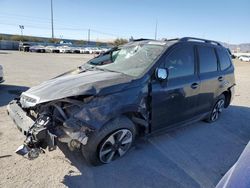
{"points": [[83, 50], [149, 86], [76, 50], [244, 58], [37, 48], [64, 49], [52, 49], [96, 50], [87, 50], [24, 47], [1, 74]]}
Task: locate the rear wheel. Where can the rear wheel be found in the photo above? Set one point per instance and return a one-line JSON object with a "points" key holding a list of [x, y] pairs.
{"points": [[111, 142], [217, 109]]}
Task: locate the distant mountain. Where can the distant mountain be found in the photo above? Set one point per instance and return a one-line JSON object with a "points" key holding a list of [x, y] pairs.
{"points": [[244, 47]]}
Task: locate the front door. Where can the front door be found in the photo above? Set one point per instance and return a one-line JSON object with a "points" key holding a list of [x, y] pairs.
{"points": [[175, 99]]}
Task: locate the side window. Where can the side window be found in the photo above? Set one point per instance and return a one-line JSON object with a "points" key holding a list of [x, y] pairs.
{"points": [[224, 59], [180, 62], [207, 59]]}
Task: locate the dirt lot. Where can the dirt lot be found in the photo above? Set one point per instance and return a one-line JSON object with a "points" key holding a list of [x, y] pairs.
{"points": [[194, 156]]}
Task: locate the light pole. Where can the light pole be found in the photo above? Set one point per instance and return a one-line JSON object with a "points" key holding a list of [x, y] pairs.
{"points": [[52, 19], [21, 27], [156, 27], [88, 36]]}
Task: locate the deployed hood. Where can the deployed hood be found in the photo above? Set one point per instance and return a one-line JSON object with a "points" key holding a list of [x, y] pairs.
{"points": [[91, 82]]}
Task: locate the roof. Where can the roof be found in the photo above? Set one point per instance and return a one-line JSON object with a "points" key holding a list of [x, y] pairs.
{"points": [[175, 40]]}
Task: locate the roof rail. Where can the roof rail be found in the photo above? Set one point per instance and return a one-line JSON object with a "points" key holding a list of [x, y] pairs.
{"points": [[185, 39], [165, 39], [141, 39]]}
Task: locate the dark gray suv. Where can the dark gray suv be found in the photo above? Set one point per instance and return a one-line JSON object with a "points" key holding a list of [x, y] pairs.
{"points": [[146, 86]]}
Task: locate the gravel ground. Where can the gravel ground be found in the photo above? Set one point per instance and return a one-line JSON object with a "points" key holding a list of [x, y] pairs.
{"points": [[197, 155]]}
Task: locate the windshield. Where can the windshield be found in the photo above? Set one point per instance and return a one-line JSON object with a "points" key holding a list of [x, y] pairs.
{"points": [[134, 60]]}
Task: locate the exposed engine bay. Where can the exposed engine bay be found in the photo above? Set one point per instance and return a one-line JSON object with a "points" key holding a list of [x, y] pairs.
{"points": [[48, 123]]}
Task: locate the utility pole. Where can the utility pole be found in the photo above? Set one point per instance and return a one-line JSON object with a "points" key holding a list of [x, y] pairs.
{"points": [[156, 25], [52, 19], [88, 36]]}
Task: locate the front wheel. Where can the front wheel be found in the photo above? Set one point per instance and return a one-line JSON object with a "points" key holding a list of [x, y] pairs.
{"points": [[111, 142], [115, 145], [217, 109]]}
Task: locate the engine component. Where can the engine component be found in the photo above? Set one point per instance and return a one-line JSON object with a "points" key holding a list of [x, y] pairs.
{"points": [[38, 138]]}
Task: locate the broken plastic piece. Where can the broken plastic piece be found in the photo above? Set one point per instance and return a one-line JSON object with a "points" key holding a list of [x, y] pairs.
{"points": [[27, 152]]}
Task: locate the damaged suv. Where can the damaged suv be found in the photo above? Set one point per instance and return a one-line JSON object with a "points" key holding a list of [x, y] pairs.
{"points": [[148, 86]]}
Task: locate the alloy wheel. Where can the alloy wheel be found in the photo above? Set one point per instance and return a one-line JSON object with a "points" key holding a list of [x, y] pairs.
{"points": [[115, 145], [217, 109]]}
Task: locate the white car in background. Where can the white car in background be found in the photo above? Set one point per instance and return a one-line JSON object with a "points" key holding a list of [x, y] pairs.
{"points": [[51, 49], [1, 74], [84, 50], [96, 50], [64, 49], [244, 58], [75, 50], [87, 51]]}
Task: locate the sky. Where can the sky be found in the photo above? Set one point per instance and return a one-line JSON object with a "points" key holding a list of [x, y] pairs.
{"points": [[222, 20]]}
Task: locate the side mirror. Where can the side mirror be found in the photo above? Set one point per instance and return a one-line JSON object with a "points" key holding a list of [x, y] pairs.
{"points": [[161, 74]]}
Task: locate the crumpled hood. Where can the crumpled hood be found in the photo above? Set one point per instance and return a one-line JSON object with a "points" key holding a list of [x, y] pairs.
{"points": [[92, 82]]}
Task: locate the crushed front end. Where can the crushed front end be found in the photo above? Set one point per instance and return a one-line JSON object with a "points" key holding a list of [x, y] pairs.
{"points": [[45, 124]]}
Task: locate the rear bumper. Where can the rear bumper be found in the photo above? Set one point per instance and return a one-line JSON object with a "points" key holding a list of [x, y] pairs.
{"points": [[18, 115]]}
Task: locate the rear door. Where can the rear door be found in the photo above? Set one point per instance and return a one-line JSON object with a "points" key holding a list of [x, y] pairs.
{"points": [[209, 75], [175, 99], [226, 70]]}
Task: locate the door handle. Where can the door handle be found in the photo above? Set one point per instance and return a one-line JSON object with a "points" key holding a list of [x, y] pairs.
{"points": [[194, 85], [221, 78]]}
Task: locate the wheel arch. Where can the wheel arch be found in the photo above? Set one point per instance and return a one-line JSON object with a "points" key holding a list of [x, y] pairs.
{"points": [[140, 121], [228, 96]]}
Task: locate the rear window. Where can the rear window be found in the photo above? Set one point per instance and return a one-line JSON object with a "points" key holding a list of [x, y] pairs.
{"points": [[207, 59], [224, 59]]}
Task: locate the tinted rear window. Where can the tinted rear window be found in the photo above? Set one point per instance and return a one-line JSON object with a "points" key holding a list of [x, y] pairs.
{"points": [[224, 59], [207, 59]]}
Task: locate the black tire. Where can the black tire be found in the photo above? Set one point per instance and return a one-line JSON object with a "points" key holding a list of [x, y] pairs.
{"points": [[217, 109], [91, 151]]}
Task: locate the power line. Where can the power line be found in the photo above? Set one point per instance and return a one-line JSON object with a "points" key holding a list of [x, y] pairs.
{"points": [[67, 29], [23, 16], [45, 21]]}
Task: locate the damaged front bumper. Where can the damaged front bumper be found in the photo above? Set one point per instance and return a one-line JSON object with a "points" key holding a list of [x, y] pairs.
{"points": [[42, 133], [21, 120]]}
